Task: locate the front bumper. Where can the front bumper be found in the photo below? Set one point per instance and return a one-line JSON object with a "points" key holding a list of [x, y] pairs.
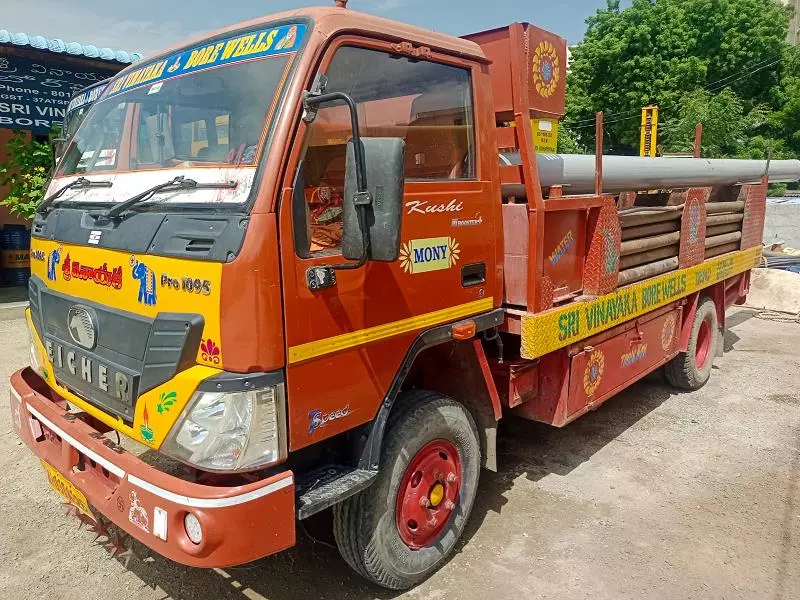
{"points": [[239, 523]]}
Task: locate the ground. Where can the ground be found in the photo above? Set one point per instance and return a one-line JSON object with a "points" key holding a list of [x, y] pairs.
{"points": [[657, 494]]}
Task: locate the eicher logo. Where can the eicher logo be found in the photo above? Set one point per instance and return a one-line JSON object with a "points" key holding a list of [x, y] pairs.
{"points": [[319, 419], [425, 207], [429, 254]]}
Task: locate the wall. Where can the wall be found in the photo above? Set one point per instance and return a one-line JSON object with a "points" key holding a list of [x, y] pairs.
{"points": [[783, 223]]}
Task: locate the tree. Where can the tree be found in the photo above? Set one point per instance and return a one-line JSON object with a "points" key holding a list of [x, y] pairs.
{"points": [[727, 127], [659, 50], [26, 173]]}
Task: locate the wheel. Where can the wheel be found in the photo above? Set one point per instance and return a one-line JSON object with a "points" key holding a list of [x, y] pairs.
{"points": [[690, 370], [399, 530]]}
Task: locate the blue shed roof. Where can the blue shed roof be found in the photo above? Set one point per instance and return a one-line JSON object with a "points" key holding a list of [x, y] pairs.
{"points": [[62, 47]]}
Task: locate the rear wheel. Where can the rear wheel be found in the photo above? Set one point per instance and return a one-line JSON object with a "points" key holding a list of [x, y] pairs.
{"points": [[691, 370], [398, 531]]}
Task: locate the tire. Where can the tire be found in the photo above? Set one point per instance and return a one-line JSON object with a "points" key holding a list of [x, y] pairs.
{"points": [[690, 370], [426, 427]]}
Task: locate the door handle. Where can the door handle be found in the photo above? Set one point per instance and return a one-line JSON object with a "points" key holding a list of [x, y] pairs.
{"points": [[474, 274]]}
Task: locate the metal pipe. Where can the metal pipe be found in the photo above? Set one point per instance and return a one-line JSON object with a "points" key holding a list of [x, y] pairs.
{"points": [[576, 172], [658, 241], [723, 219], [641, 258], [717, 250], [724, 207], [645, 271], [720, 229], [719, 240], [648, 218], [632, 233]]}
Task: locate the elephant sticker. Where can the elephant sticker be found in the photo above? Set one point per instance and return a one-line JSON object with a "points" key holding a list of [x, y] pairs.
{"points": [[52, 262], [147, 282]]}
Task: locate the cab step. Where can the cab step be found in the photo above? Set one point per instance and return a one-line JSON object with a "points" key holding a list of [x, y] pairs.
{"points": [[323, 487]]}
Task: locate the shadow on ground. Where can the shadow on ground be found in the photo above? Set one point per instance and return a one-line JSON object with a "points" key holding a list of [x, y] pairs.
{"points": [[313, 568]]}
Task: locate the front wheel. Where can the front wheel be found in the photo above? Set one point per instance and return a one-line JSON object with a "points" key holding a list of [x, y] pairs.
{"points": [[397, 532]]}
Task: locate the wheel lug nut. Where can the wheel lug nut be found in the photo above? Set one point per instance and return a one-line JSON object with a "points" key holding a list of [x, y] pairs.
{"points": [[449, 505], [451, 477], [424, 502]]}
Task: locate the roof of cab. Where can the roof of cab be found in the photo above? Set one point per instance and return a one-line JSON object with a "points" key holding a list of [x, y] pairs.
{"points": [[332, 20]]}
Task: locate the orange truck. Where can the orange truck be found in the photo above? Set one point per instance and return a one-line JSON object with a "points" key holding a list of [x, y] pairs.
{"points": [[285, 260]]}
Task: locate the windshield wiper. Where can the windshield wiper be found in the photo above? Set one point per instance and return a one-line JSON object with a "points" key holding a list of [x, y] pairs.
{"points": [[79, 183], [178, 183]]}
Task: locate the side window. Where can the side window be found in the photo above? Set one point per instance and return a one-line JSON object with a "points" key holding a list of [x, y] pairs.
{"points": [[427, 104]]}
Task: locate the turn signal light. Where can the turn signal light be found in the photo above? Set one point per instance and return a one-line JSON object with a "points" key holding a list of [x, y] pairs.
{"points": [[464, 330]]}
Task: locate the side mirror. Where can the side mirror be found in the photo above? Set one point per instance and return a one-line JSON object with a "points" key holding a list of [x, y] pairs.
{"points": [[384, 161]]}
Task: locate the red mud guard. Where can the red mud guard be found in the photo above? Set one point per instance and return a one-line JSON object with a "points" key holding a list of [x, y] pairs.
{"points": [[239, 524]]}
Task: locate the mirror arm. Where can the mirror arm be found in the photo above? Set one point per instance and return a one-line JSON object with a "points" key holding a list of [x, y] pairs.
{"points": [[311, 103]]}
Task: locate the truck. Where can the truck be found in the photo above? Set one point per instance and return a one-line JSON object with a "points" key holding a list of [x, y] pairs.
{"points": [[76, 111], [306, 263]]}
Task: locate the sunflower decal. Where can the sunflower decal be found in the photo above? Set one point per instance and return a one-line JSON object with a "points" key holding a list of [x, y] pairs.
{"points": [[429, 254], [593, 374], [546, 69]]}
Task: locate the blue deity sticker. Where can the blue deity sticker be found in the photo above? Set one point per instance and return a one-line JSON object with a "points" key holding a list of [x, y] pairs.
{"points": [[147, 282], [52, 263]]}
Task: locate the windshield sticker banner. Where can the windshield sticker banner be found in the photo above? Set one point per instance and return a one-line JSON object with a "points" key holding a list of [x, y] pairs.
{"points": [[258, 44], [85, 98]]}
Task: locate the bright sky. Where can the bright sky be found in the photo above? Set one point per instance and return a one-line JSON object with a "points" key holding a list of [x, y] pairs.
{"points": [[149, 25]]}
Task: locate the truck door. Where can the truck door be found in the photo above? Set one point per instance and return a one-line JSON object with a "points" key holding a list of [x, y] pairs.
{"points": [[346, 342]]}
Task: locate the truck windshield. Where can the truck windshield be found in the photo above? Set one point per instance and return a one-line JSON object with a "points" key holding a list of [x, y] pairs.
{"points": [[78, 106], [202, 113]]}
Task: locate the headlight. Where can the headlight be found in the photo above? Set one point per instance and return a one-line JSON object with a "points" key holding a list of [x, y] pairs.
{"points": [[231, 431]]}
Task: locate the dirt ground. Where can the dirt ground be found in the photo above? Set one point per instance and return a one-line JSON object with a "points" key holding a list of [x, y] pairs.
{"points": [[655, 495]]}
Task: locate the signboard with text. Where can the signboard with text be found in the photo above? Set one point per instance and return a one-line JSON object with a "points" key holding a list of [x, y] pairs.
{"points": [[34, 93]]}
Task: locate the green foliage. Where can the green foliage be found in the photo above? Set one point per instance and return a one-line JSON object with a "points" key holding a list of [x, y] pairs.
{"points": [[26, 172], [727, 126], [568, 142], [661, 50]]}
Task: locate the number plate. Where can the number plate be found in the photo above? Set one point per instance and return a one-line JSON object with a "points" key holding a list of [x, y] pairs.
{"points": [[68, 491]]}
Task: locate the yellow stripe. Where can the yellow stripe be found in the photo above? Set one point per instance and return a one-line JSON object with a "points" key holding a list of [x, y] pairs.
{"points": [[379, 332], [547, 331]]}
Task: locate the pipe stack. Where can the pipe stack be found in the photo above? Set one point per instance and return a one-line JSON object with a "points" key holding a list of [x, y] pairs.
{"points": [[723, 227], [650, 242]]}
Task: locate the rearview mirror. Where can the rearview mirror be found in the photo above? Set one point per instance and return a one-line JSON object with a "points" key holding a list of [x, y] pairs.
{"points": [[384, 160]]}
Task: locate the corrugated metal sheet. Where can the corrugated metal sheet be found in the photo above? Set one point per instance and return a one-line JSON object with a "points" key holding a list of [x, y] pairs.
{"points": [[62, 47]]}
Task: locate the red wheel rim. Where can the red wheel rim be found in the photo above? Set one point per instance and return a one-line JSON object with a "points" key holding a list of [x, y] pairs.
{"points": [[703, 346], [428, 493]]}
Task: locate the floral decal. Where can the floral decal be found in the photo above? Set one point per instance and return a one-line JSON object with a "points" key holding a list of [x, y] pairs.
{"points": [[593, 374], [210, 351], [546, 69], [165, 401]]}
